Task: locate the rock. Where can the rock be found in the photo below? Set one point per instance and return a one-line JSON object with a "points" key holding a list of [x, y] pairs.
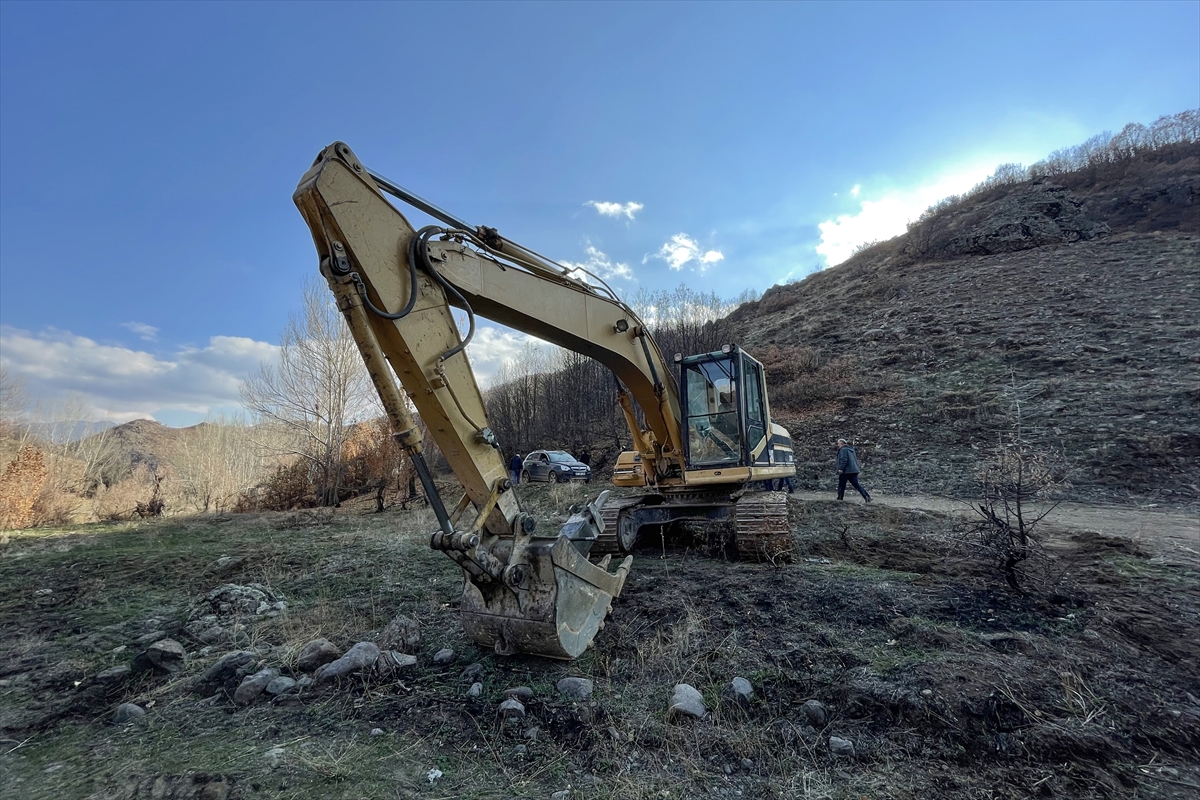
{"points": [[562, 794], [686, 701], [474, 672], [520, 751], [281, 685], [150, 638], [253, 685], [356, 660], [317, 653], [305, 682], [164, 656], [444, 656], [575, 688], [228, 665], [927, 693], [873, 334], [512, 708], [476, 690], [747, 763], [114, 674], [816, 712], [391, 662], [739, 691], [808, 732], [230, 599], [841, 747], [127, 712], [522, 693], [377, 731], [401, 634], [532, 733]]}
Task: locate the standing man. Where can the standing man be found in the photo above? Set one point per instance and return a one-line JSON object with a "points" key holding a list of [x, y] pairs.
{"points": [[514, 466], [585, 458], [847, 464]]}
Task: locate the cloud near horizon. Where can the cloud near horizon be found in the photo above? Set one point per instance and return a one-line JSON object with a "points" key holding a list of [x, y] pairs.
{"points": [[682, 250], [147, 333], [627, 210], [122, 384], [887, 216]]}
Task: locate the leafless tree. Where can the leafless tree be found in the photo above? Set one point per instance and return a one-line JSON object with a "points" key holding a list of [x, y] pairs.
{"points": [[316, 390]]}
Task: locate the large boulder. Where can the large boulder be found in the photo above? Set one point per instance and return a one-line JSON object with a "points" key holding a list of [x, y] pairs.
{"points": [[164, 656], [316, 654], [686, 701]]}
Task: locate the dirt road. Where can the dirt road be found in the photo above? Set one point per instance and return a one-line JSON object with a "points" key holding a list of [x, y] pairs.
{"points": [[1172, 536]]}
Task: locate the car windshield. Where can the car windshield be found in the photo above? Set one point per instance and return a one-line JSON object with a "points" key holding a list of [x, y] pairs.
{"points": [[561, 458]]}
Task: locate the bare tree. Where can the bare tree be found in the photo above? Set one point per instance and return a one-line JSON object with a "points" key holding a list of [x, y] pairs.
{"points": [[13, 399], [317, 389]]}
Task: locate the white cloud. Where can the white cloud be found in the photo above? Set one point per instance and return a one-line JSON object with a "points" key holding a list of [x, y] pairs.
{"points": [[121, 384], [854, 192], [600, 265], [146, 332], [627, 210], [681, 250], [491, 347], [889, 215]]}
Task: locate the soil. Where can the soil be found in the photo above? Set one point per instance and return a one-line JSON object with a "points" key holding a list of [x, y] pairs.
{"points": [[948, 683]]}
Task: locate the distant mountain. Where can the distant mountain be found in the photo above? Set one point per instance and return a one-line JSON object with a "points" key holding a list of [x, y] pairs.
{"points": [[1076, 297]]}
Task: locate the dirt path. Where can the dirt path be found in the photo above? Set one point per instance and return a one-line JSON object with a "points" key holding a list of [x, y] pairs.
{"points": [[1172, 536]]}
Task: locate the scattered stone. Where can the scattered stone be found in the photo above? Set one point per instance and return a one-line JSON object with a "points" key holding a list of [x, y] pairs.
{"points": [[253, 685], [317, 653], [377, 731], [747, 763], [562, 794], [927, 693], [532, 733], [274, 755], [739, 691], [305, 682], [114, 674], [401, 634], [444, 656], [613, 733], [164, 656], [228, 665], [391, 662], [116, 651], [575, 688], [816, 712], [686, 701], [474, 672], [127, 712], [150, 638], [520, 751], [808, 732], [281, 685], [476, 690], [841, 747], [230, 599], [521, 693], [357, 659], [512, 708], [263, 648]]}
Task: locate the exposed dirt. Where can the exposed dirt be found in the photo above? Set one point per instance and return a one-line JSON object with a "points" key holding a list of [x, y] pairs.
{"points": [[948, 685]]}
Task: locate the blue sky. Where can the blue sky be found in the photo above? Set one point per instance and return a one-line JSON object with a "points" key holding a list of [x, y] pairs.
{"points": [[150, 251]]}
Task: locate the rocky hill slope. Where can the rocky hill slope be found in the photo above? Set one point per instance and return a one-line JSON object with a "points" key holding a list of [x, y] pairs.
{"points": [[1074, 301]]}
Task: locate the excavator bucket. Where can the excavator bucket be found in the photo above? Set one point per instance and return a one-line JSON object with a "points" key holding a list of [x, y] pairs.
{"points": [[539, 594]]}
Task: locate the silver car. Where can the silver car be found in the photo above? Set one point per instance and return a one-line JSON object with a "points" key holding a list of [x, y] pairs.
{"points": [[554, 466]]}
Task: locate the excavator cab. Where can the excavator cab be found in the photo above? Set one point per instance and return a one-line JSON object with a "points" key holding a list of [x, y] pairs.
{"points": [[725, 410]]}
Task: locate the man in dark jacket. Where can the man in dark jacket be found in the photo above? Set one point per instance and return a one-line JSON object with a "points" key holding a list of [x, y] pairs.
{"points": [[847, 463], [514, 465]]}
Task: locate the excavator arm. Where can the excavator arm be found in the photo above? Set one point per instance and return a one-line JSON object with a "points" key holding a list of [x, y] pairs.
{"points": [[396, 287]]}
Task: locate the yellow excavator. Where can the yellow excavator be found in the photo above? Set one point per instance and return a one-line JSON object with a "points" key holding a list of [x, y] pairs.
{"points": [[707, 447]]}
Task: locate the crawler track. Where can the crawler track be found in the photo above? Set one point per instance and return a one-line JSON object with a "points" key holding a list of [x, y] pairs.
{"points": [[762, 531]]}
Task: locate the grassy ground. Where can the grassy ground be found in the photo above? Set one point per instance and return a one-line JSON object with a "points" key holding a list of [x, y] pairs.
{"points": [[947, 685]]}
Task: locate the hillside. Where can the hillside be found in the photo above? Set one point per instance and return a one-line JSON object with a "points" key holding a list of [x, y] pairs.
{"points": [[1076, 297]]}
